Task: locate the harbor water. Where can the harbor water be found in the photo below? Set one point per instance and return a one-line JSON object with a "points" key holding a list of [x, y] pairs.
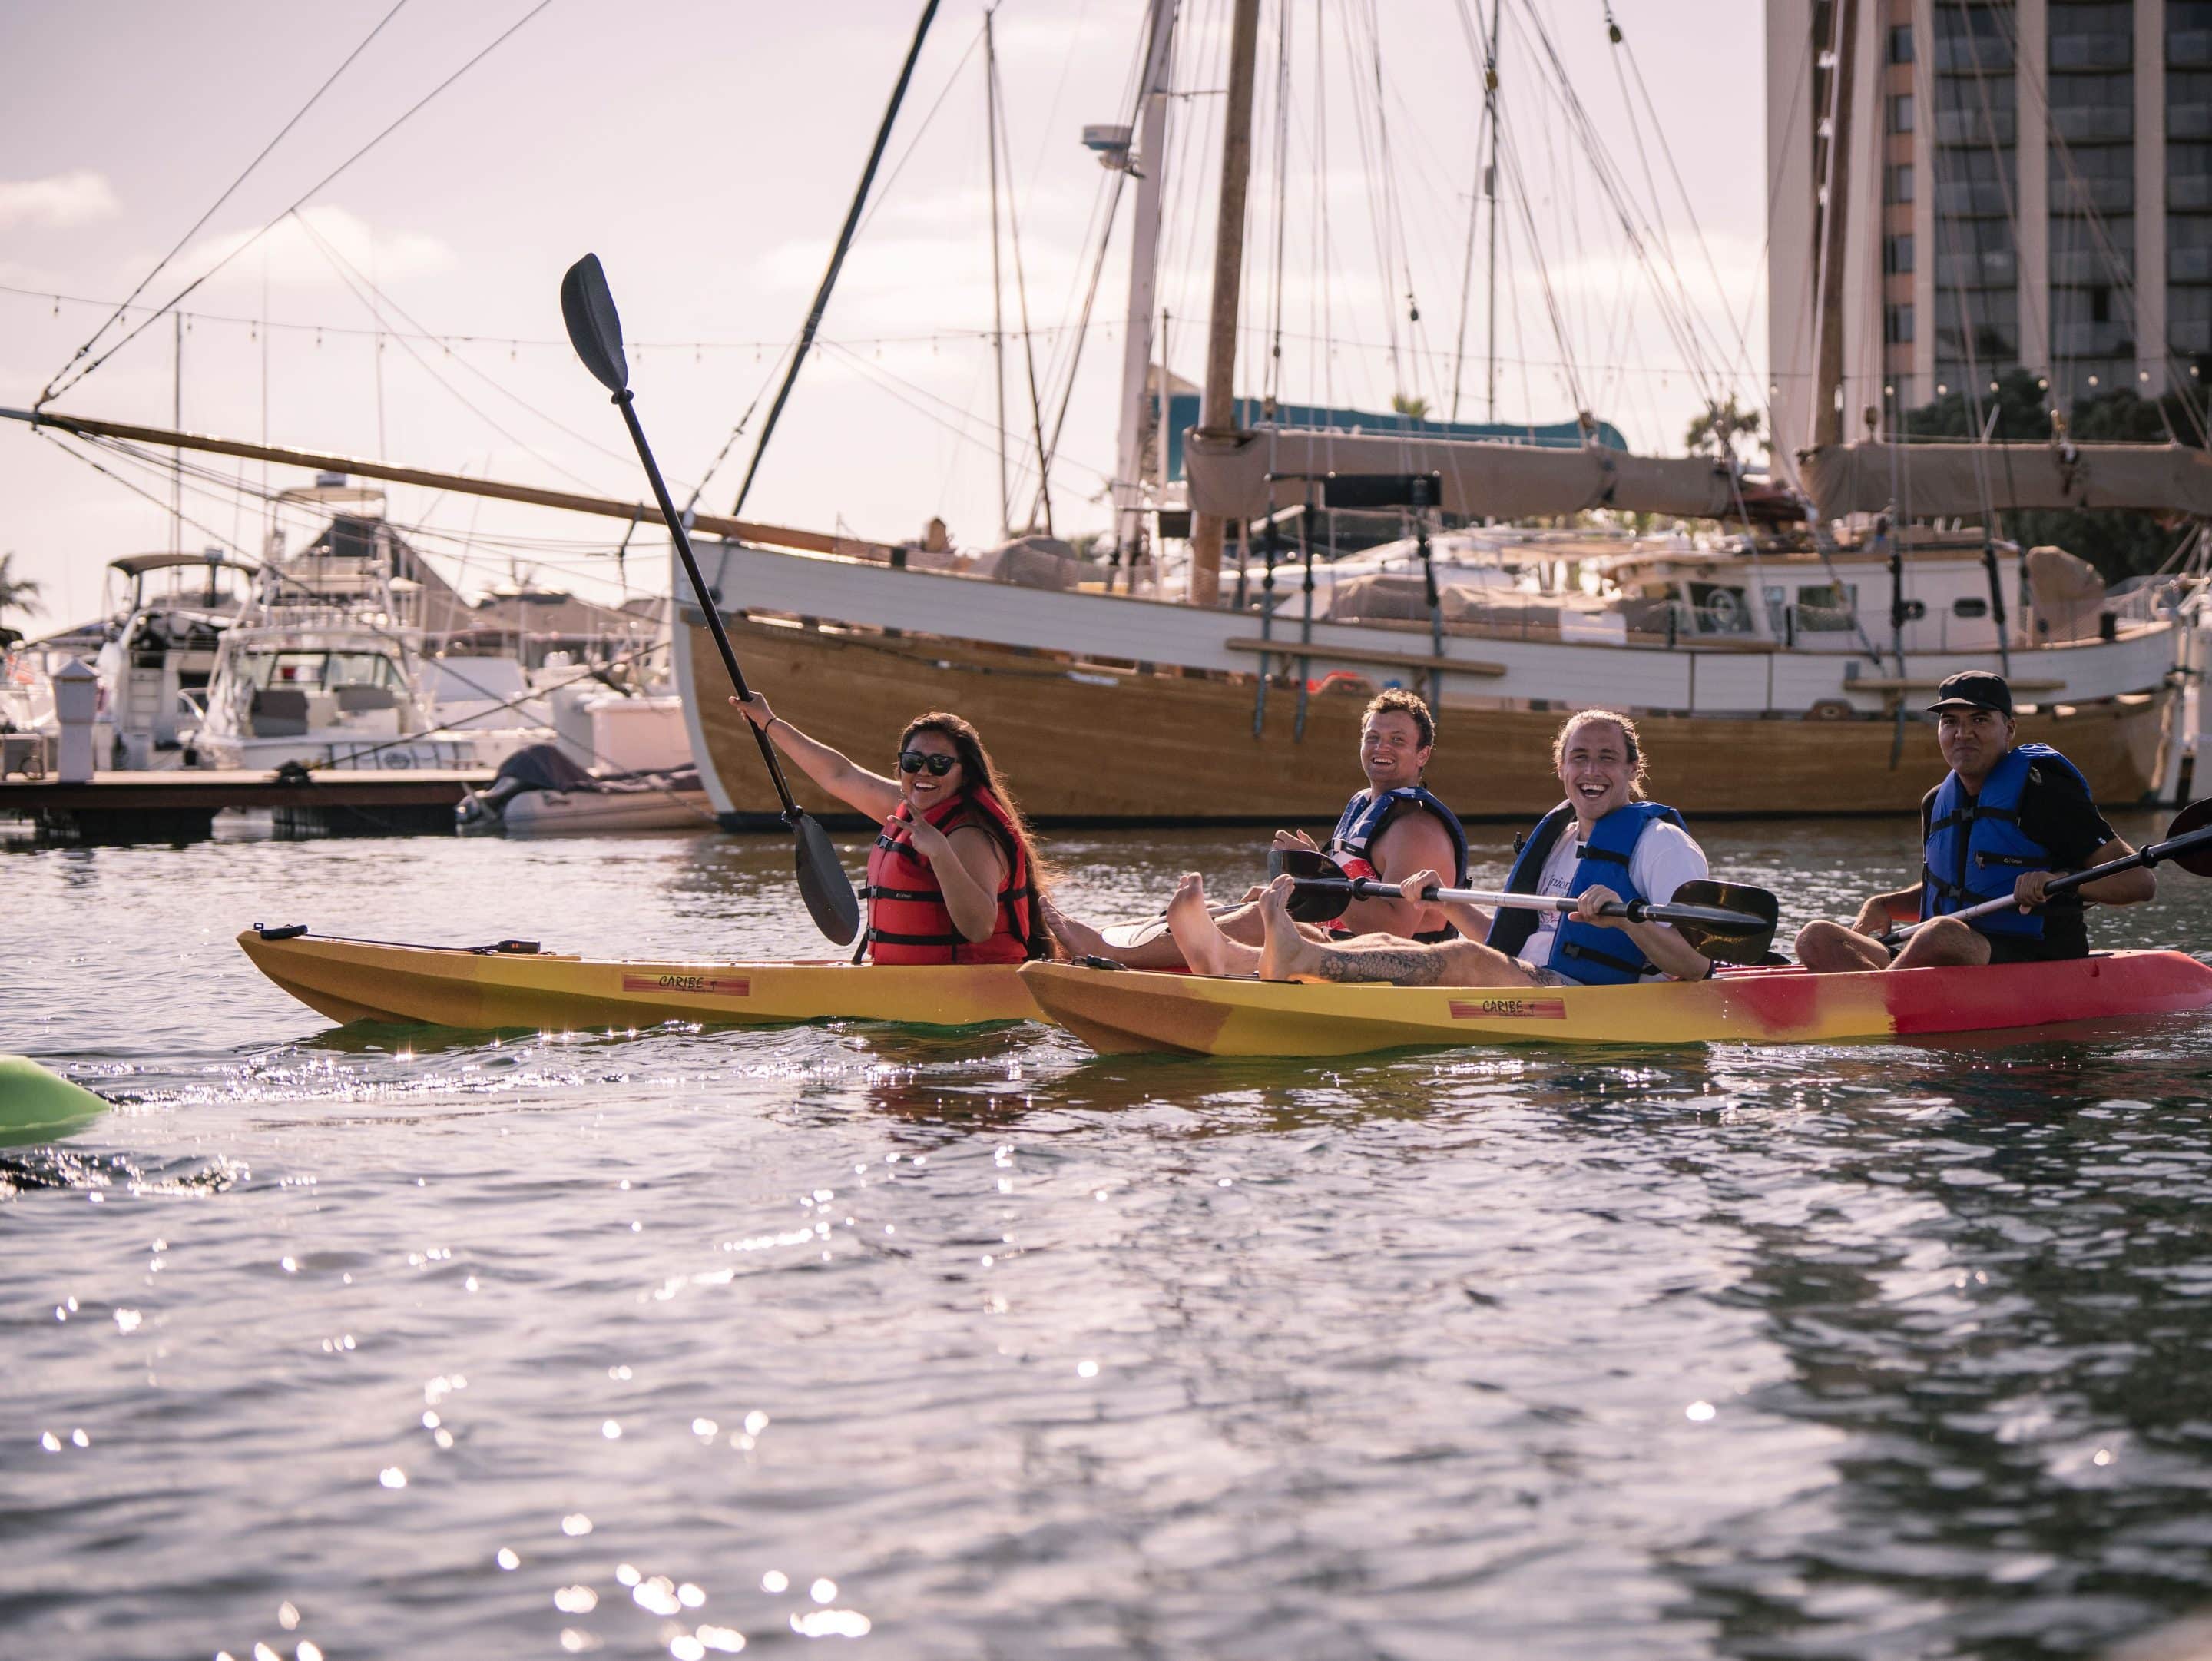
{"points": [[397, 1342]]}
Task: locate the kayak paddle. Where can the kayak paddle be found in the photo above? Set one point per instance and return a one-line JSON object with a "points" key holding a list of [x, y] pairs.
{"points": [[2188, 844], [595, 330], [1741, 919]]}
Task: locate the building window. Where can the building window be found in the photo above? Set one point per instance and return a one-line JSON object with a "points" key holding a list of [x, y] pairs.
{"points": [[1900, 113], [1900, 45], [1896, 255], [1898, 185], [1897, 324]]}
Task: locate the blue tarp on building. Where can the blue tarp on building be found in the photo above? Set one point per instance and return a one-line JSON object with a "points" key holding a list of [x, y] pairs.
{"points": [[1182, 416]]}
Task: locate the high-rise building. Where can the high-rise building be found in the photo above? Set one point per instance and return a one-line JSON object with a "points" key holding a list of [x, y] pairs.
{"points": [[2027, 185]]}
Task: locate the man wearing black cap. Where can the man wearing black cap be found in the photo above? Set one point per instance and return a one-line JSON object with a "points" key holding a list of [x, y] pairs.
{"points": [[2010, 817]]}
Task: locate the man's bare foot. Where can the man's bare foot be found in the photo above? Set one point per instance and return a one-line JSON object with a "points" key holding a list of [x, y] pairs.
{"points": [[1077, 938], [1286, 953], [1206, 950]]}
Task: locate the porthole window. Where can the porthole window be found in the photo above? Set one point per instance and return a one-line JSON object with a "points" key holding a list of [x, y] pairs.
{"points": [[1970, 607]]}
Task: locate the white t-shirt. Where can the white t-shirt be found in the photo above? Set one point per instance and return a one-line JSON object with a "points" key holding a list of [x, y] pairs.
{"points": [[1665, 858]]}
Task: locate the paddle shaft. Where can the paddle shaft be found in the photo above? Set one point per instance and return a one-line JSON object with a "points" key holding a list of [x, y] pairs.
{"points": [[1708, 917], [624, 400], [2155, 853]]}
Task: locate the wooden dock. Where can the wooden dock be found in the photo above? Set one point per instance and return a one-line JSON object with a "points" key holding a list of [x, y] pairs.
{"points": [[180, 805]]}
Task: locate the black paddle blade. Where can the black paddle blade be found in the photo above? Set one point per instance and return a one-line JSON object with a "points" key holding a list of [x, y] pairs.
{"points": [[2197, 816], [1748, 945], [594, 329], [1318, 903], [823, 885]]}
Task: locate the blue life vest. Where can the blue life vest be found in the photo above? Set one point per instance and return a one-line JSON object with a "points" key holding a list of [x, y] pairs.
{"points": [[1583, 950], [1976, 849], [1362, 823]]}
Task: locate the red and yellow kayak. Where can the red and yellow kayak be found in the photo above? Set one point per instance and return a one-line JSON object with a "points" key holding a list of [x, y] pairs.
{"points": [[484, 989], [1127, 1010]]}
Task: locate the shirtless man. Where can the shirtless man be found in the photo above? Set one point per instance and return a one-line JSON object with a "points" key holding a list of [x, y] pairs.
{"points": [[1392, 830]]}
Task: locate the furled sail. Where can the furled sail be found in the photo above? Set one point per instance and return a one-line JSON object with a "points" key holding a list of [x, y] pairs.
{"points": [[1935, 481], [1230, 476]]}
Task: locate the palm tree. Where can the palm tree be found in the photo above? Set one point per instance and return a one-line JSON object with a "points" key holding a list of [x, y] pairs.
{"points": [[16, 593], [1724, 431], [1405, 404]]}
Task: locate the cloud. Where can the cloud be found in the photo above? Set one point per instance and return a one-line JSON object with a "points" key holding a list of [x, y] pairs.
{"points": [[63, 200], [295, 256]]}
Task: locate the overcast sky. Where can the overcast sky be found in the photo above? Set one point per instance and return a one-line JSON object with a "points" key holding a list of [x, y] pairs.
{"points": [[707, 152]]}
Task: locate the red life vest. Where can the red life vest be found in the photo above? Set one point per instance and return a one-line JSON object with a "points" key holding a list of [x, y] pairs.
{"points": [[907, 922]]}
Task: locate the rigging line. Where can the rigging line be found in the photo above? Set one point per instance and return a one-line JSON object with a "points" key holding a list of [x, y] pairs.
{"points": [[1022, 299], [1561, 90], [60, 385], [691, 505], [332, 253], [351, 279], [229, 191], [837, 257], [1392, 207], [1679, 322], [1965, 322], [545, 551], [1471, 29], [59, 440], [1705, 248], [915, 143], [1321, 195], [1377, 201], [1678, 310], [1512, 155], [1280, 206], [900, 388], [1135, 93]]}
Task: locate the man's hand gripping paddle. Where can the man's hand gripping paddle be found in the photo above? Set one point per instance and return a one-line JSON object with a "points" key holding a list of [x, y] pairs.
{"points": [[1727, 921]]}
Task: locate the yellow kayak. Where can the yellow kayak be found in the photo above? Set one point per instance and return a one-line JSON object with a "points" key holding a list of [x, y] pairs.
{"points": [[490, 987], [1117, 1011]]}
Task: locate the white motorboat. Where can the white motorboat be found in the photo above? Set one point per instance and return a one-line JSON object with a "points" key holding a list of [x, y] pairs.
{"points": [[326, 667]]}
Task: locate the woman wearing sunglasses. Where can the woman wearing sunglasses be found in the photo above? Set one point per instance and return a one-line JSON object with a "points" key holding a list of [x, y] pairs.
{"points": [[953, 875]]}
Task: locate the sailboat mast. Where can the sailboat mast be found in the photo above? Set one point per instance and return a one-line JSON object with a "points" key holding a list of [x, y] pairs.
{"points": [[1144, 284], [1486, 192], [1216, 415], [1490, 192], [1835, 223], [176, 456], [998, 297]]}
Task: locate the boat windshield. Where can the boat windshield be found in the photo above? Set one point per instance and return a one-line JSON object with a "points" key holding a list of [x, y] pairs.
{"points": [[325, 670]]}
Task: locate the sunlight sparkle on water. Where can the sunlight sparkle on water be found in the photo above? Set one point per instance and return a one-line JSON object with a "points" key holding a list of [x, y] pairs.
{"points": [[831, 1623]]}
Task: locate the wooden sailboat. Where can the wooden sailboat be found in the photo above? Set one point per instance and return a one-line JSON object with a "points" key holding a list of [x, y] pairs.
{"points": [[1111, 709]]}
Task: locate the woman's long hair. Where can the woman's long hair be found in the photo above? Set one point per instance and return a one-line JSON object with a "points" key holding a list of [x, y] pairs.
{"points": [[976, 768]]}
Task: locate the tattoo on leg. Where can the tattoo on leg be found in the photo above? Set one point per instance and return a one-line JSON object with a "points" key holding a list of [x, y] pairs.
{"points": [[1407, 966]]}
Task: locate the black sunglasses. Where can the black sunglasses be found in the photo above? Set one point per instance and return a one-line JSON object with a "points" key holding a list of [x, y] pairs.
{"points": [[913, 761]]}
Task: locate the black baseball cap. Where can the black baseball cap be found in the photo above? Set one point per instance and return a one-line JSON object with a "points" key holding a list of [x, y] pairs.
{"points": [[1977, 688]]}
